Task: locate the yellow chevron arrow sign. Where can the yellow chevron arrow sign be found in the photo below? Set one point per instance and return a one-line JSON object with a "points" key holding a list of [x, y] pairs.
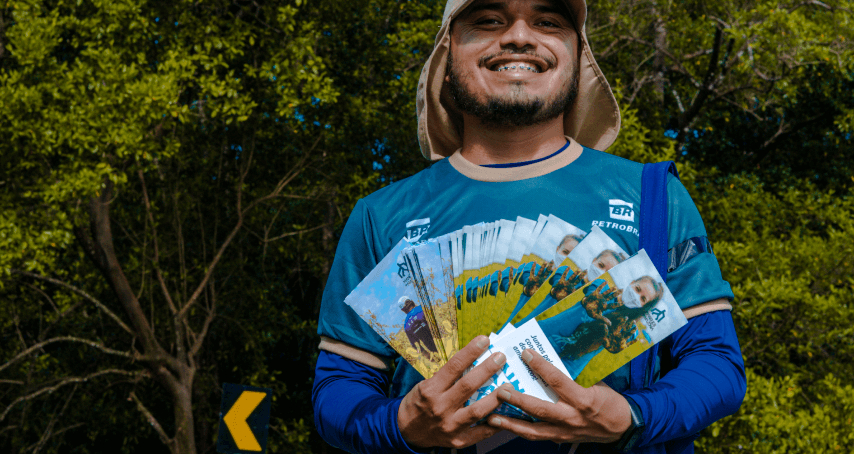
{"points": [[235, 419], [245, 420]]}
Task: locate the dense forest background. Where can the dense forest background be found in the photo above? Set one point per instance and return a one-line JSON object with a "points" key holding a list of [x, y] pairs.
{"points": [[174, 176]]}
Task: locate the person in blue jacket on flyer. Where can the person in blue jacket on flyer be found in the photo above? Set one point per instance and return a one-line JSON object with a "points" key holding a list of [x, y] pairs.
{"points": [[515, 111], [415, 326]]}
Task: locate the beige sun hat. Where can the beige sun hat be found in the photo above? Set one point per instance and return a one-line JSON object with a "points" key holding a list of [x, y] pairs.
{"points": [[593, 120]]}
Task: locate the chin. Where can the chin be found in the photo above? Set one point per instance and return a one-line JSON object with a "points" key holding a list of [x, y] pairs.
{"points": [[515, 107]]}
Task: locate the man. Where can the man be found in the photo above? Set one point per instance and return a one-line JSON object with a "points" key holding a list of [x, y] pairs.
{"points": [[513, 105]]}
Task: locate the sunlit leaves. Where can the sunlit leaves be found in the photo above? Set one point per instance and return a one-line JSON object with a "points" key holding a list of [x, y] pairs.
{"points": [[790, 260]]}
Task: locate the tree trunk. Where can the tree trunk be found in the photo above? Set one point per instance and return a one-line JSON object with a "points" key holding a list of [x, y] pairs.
{"points": [[173, 373], [104, 255], [659, 62], [185, 436], [327, 241]]}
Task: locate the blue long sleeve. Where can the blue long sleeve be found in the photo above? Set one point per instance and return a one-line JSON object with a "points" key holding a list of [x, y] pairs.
{"points": [[707, 381], [351, 410], [706, 384]]}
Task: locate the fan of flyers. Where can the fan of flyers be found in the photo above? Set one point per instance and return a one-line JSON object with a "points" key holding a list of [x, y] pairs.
{"points": [[575, 297]]}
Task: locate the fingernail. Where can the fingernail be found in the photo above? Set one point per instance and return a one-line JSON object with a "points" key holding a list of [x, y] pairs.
{"points": [[527, 356], [483, 342], [499, 358], [495, 421], [504, 394]]}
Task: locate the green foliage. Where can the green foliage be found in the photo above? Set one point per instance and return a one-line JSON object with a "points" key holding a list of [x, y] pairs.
{"points": [[231, 140], [789, 259], [637, 141], [184, 114], [756, 97], [758, 86], [269, 121], [780, 415], [645, 142]]}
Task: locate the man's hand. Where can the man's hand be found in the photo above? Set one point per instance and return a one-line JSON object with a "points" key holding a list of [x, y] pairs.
{"points": [[596, 414], [432, 413]]}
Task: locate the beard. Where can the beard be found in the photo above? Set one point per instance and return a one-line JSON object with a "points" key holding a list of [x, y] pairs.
{"points": [[512, 110]]}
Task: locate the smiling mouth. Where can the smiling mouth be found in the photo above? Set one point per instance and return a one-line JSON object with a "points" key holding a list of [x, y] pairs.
{"points": [[516, 61], [515, 67]]}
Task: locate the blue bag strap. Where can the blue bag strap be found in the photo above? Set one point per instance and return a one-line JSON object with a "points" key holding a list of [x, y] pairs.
{"points": [[653, 239], [653, 213]]}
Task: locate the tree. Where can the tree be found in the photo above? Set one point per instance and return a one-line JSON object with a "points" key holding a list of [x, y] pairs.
{"points": [[175, 177], [789, 258], [690, 63], [755, 100], [146, 143]]}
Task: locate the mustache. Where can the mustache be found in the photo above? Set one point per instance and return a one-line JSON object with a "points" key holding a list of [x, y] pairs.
{"points": [[550, 62]]}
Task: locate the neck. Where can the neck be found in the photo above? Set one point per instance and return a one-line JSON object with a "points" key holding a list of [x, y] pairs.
{"points": [[484, 145]]}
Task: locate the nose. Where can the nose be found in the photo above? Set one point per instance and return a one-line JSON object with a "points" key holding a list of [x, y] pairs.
{"points": [[519, 36]]}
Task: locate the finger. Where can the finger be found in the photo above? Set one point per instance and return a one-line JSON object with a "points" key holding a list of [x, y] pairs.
{"points": [[478, 410], [474, 435], [477, 377], [561, 422], [457, 364], [538, 408], [565, 387], [531, 431]]}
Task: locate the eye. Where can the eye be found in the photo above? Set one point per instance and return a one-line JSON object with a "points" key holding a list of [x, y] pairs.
{"points": [[487, 21], [553, 20]]}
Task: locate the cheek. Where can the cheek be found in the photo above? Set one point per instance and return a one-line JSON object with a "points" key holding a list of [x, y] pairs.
{"points": [[647, 294], [464, 35]]}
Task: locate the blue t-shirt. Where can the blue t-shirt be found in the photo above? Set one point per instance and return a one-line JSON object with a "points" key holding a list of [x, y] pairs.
{"points": [[595, 189]]}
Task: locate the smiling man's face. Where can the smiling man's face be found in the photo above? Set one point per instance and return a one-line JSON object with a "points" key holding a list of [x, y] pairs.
{"points": [[513, 62]]}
